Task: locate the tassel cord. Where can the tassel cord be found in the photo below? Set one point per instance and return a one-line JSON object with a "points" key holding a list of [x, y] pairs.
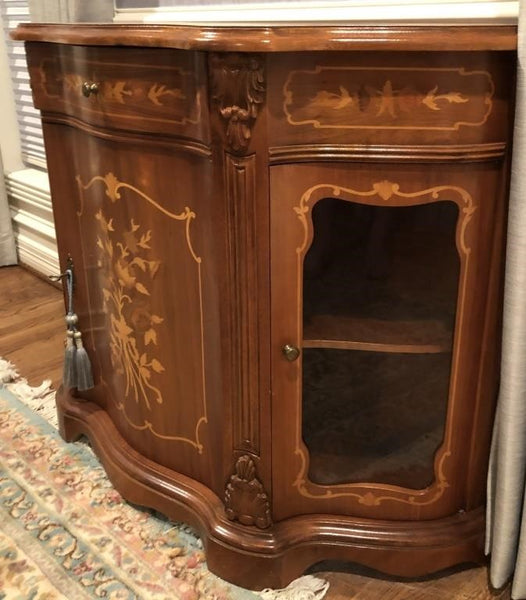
{"points": [[77, 366], [69, 290], [70, 353]]}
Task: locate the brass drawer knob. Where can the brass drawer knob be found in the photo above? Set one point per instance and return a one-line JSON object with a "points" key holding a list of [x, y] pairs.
{"points": [[291, 352], [89, 88]]}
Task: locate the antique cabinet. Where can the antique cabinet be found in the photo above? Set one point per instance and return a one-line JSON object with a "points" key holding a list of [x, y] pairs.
{"points": [[288, 249]]}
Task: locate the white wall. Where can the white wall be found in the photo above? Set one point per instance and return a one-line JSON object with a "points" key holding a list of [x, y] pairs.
{"points": [[268, 11]]}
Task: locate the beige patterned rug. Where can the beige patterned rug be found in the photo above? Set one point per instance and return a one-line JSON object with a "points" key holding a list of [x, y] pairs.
{"points": [[65, 533]]}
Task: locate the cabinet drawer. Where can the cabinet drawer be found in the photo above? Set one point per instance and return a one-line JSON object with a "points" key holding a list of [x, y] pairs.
{"points": [[392, 99], [138, 89]]}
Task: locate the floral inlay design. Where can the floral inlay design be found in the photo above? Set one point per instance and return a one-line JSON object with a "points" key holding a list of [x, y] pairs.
{"points": [[129, 269], [388, 98], [142, 88], [432, 99], [157, 91], [384, 190], [133, 333], [385, 101], [115, 91]]}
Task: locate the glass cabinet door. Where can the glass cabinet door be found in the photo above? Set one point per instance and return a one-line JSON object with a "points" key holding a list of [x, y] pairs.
{"points": [[379, 298], [375, 291]]}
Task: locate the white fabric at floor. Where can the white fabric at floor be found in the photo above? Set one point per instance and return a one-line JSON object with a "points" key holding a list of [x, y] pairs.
{"points": [[7, 240]]}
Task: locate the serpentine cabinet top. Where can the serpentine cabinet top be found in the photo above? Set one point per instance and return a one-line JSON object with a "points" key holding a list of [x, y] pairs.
{"points": [[277, 38]]}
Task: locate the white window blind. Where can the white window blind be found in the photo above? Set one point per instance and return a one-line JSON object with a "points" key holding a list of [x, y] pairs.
{"points": [[32, 143]]}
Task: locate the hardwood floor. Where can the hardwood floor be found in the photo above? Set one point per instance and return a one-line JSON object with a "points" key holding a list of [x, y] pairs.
{"points": [[31, 336], [459, 583], [31, 325]]}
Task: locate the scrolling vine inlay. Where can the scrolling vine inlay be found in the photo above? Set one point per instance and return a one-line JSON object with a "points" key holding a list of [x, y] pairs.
{"points": [[141, 90], [238, 85], [129, 270], [385, 191], [407, 98]]}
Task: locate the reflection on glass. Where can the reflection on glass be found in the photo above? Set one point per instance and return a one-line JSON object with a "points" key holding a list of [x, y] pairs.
{"points": [[380, 291]]}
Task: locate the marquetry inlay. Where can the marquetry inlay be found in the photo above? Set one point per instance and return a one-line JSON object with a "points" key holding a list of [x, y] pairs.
{"points": [[143, 92], [405, 98], [128, 270]]}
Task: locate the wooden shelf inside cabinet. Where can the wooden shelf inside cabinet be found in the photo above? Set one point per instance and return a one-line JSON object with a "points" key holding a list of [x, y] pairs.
{"points": [[377, 335]]}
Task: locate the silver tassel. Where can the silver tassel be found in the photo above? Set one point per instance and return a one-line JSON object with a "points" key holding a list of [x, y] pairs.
{"points": [[69, 378], [77, 366], [82, 365]]}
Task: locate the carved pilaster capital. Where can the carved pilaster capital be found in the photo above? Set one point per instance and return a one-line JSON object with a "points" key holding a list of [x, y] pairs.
{"points": [[238, 89]]}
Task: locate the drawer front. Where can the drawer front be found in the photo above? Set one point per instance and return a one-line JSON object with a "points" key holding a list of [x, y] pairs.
{"points": [[136, 89], [401, 98]]}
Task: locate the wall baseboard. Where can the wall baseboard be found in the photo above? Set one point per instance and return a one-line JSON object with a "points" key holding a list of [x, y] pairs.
{"points": [[32, 215]]}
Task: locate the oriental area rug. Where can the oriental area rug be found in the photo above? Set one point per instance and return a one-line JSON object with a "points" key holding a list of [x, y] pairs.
{"points": [[66, 533]]}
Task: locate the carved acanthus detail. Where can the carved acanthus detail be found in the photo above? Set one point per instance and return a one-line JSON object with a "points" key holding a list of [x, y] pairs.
{"points": [[245, 498], [238, 85]]}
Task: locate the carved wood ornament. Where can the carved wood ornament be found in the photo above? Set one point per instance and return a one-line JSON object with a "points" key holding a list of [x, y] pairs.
{"points": [[245, 498], [238, 85]]}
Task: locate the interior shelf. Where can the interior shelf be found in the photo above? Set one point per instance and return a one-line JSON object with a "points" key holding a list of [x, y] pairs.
{"points": [[378, 335], [373, 417]]}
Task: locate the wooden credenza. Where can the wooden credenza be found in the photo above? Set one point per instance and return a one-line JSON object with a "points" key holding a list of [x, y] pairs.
{"points": [[288, 249]]}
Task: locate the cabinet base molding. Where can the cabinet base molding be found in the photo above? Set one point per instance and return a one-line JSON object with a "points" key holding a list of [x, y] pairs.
{"points": [[286, 549]]}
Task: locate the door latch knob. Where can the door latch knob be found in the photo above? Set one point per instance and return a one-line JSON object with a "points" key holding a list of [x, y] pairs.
{"points": [[291, 352]]}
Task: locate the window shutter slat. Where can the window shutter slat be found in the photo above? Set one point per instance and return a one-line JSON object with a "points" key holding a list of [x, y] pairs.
{"points": [[14, 12]]}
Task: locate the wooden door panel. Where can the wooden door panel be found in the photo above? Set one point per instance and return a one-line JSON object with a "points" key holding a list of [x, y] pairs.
{"points": [[294, 192], [148, 298]]}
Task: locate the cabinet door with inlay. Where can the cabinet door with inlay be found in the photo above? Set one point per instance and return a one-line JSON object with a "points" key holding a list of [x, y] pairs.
{"points": [[137, 225], [389, 104], [379, 279]]}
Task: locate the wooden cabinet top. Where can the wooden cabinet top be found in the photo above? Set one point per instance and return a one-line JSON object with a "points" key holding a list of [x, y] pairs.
{"points": [[277, 38]]}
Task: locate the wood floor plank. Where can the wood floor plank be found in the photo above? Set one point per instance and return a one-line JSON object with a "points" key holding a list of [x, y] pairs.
{"points": [[31, 325], [32, 336], [345, 586]]}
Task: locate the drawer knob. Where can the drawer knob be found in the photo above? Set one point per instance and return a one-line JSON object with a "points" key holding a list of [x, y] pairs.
{"points": [[291, 352], [89, 88]]}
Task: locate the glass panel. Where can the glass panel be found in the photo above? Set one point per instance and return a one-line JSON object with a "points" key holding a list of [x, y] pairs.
{"points": [[380, 290]]}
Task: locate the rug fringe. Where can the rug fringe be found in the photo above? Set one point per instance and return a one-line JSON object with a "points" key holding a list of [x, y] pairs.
{"points": [[8, 372], [307, 587], [40, 399]]}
